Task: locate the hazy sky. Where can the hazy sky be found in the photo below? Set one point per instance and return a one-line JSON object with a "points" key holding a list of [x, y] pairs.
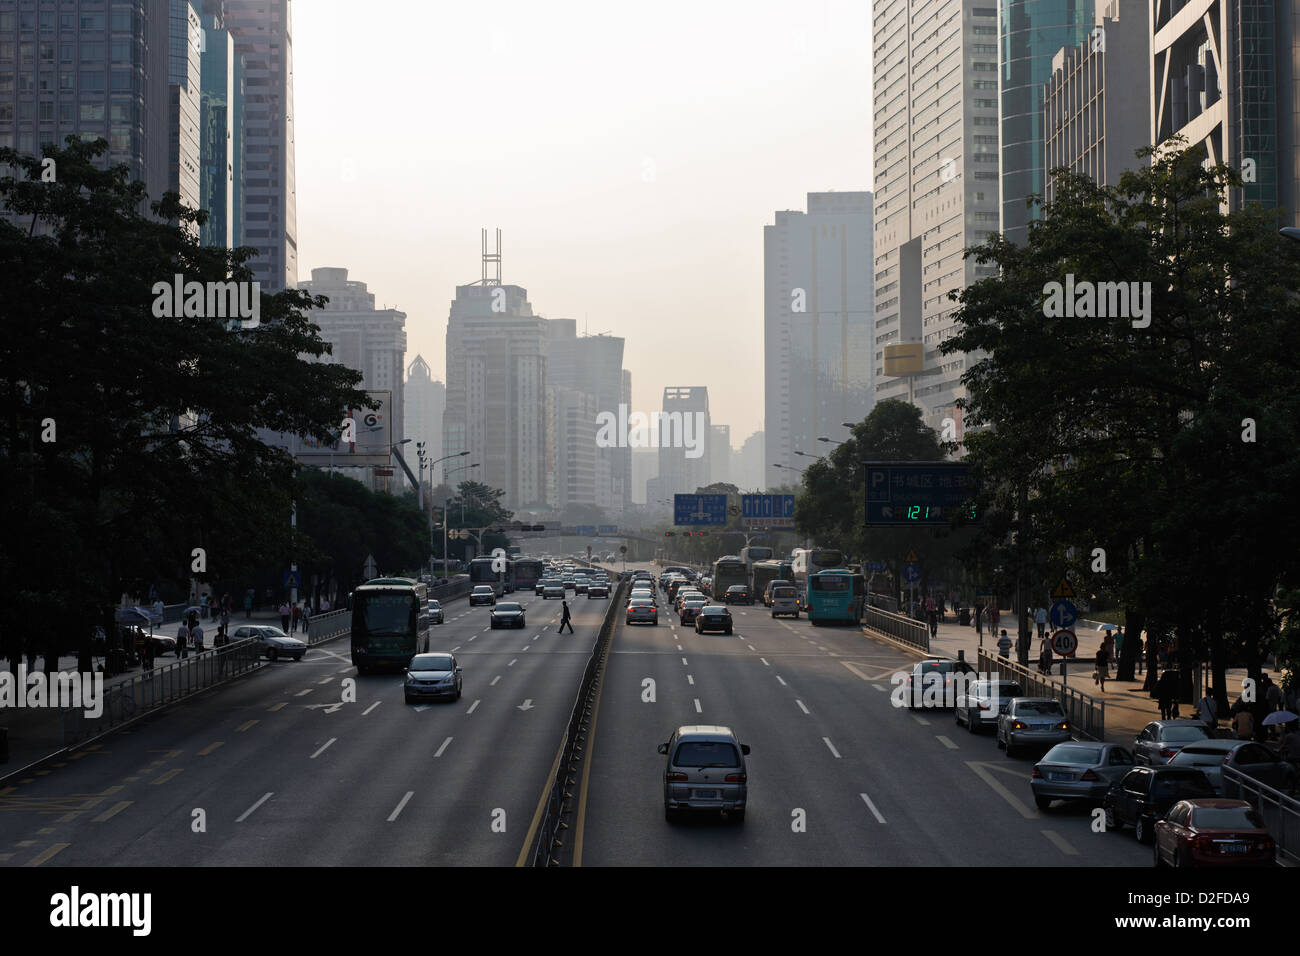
{"points": [[631, 154]]}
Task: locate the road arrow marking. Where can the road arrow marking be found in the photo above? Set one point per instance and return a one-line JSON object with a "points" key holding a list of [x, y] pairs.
{"points": [[526, 705]]}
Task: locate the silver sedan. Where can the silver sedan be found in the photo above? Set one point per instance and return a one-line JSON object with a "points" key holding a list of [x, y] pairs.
{"points": [[1079, 770], [1032, 721]]}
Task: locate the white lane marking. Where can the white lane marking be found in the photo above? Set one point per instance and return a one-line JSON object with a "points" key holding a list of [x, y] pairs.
{"points": [[439, 751], [512, 663], [536, 636], [690, 679], [456, 648], [393, 816], [326, 680], [265, 797], [801, 706], [872, 807], [322, 748], [765, 663], [683, 660], [494, 681], [877, 687], [679, 647], [832, 746], [782, 680], [946, 742], [921, 720], [1061, 845], [473, 636], [526, 646], [371, 707], [983, 773], [343, 670], [473, 705], [698, 708]]}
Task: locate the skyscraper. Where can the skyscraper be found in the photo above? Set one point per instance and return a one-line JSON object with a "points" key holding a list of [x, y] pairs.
{"points": [[935, 76], [264, 37], [720, 454], [818, 322], [184, 72], [221, 139], [426, 400], [684, 451]]}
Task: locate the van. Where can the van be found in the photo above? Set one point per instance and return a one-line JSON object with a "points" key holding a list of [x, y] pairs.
{"points": [[705, 771], [784, 600]]}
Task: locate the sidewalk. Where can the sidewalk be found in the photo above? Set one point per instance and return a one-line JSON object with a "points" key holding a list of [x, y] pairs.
{"points": [[1128, 707]]}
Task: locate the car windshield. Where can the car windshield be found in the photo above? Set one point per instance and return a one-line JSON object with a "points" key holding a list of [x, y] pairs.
{"points": [[1185, 732], [500, 608], [272, 631], [1073, 753], [716, 609], [706, 753], [640, 602], [435, 606], [1041, 707], [439, 662], [1227, 818], [737, 589], [483, 589], [782, 592]]}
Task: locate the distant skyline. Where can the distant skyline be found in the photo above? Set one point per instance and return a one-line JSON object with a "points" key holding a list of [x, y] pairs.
{"points": [[631, 158]]}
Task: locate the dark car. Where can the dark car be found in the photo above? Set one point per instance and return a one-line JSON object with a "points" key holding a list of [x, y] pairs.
{"points": [[1160, 740], [713, 617], [482, 594], [738, 594], [1244, 756], [983, 702], [690, 609], [507, 614], [933, 682], [1145, 795], [1213, 833]]}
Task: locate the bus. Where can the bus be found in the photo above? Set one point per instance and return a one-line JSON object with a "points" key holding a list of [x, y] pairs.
{"points": [[482, 572], [764, 572], [389, 623], [727, 571], [752, 554], [835, 596], [528, 571]]}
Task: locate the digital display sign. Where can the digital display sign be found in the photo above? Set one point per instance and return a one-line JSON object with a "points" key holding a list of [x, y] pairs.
{"points": [[914, 492]]}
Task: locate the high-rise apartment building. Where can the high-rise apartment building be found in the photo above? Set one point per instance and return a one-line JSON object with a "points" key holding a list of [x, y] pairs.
{"points": [[1032, 31], [936, 188], [263, 35], [184, 77], [818, 325], [1223, 75], [89, 69], [684, 433], [496, 390], [719, 454], [426, 399], [221, 131], [747, 464], [1090, 125]]}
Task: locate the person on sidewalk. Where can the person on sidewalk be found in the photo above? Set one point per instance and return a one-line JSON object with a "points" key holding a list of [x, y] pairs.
{"points": [[1243, 721], [932, 618], [565, 618], [306, 616], [182, 639], [1103, 666], [1166, 691], [284, 616], [1207, 711], [196, 634], [1045, 657], [248, 606], [295, 614], [1112, 653], [1040, 621], [1004, 644]]}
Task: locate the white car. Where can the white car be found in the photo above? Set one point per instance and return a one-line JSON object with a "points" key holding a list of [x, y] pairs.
{"points": [[272, 641]]}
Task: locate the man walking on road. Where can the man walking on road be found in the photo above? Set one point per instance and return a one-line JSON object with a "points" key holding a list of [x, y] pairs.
{"points": [[182, 638], [565, 618]]}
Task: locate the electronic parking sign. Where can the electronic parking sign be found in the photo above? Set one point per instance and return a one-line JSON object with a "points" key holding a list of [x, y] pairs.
{"points": [[901, 493]]}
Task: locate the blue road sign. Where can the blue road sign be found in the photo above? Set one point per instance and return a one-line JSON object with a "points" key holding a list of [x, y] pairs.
{"points": [[700, 509], [293, 579], [585, 531], [1063, 614], [609, 529], [912, 493], [776, 510], [876, 565], [911, 573]]}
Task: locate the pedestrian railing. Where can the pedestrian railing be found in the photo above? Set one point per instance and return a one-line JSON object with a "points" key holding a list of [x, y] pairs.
{"points": [[885, 602], [1087, 714], [327, 626], [897, 626], [452, 589], [1281, 813], [549, 848], [157, 686]]}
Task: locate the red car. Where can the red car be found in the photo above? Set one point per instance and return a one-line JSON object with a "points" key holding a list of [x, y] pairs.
{"points": [[1213, 833]]}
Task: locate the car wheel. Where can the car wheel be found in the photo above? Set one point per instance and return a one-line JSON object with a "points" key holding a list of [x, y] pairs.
{"points": [[1113, 822], [1155, 855], [670, 815], [1044, 803], [406, 697], [998, 739], [738, 817], [273, 654], [1142, 830], [728, 630], [458, 692], [297, 657]]}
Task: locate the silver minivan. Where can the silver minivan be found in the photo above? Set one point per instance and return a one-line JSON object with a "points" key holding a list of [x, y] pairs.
{"points": [[785, 600], [705, 771]]}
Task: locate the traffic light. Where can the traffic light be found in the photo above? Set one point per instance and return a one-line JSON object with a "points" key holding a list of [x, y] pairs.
{"points": [[668, 534]]}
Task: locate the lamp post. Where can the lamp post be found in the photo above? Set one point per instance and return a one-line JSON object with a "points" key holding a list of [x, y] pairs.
{"points": [[806, 455], [452, 471], [831, 440], [444, 515]]}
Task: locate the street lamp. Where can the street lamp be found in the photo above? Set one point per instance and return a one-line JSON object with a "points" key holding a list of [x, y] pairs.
{"points": [[806, 455], [831, 440]]}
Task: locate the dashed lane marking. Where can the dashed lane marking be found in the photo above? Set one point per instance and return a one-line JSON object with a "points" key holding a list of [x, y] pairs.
{"points": [[322, 748], [393, 816], [246, 725], [371, 707], [828, 743], [247, 813], [872, 807], [439, 751], [208, 749]]}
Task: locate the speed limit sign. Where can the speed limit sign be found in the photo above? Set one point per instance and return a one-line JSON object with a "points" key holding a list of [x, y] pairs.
{"points": [[1064, 642]]}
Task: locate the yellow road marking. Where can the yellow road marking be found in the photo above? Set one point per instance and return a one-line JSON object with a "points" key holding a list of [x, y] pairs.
{"points": [[69, 816], [302, 692], [48, 854], [275, 707], [168, 775], [110, 791], [244, 726], [210, 747], [112, 811]]}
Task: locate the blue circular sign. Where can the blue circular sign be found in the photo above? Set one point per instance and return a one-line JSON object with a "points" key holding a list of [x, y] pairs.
{"points": [[1063, 614]]}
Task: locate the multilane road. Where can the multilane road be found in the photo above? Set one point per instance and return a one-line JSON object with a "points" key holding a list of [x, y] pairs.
{"points": [[273, 770]]}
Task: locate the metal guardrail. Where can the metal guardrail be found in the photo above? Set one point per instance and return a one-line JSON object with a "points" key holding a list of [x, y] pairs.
{"points": [[897, 626], [1281, 813], [559, 801], [883, 601], [1087, 714], [327, 626], [153, 688]]}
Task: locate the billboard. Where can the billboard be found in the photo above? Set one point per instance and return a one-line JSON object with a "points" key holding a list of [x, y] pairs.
{"points": [[700, 509], [767, 511], [371, 429], [914, 492]]}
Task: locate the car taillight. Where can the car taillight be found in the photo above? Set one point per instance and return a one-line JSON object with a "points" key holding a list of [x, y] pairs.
{"points": [[736, 778], [985, 707], [677, 778], [1090, 774], [1036, 773], [1227, 759], [1203, 843], [1169, 752]]}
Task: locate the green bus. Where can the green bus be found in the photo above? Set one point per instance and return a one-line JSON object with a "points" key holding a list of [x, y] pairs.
{"points": [[835, 597], [390, 624]]}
